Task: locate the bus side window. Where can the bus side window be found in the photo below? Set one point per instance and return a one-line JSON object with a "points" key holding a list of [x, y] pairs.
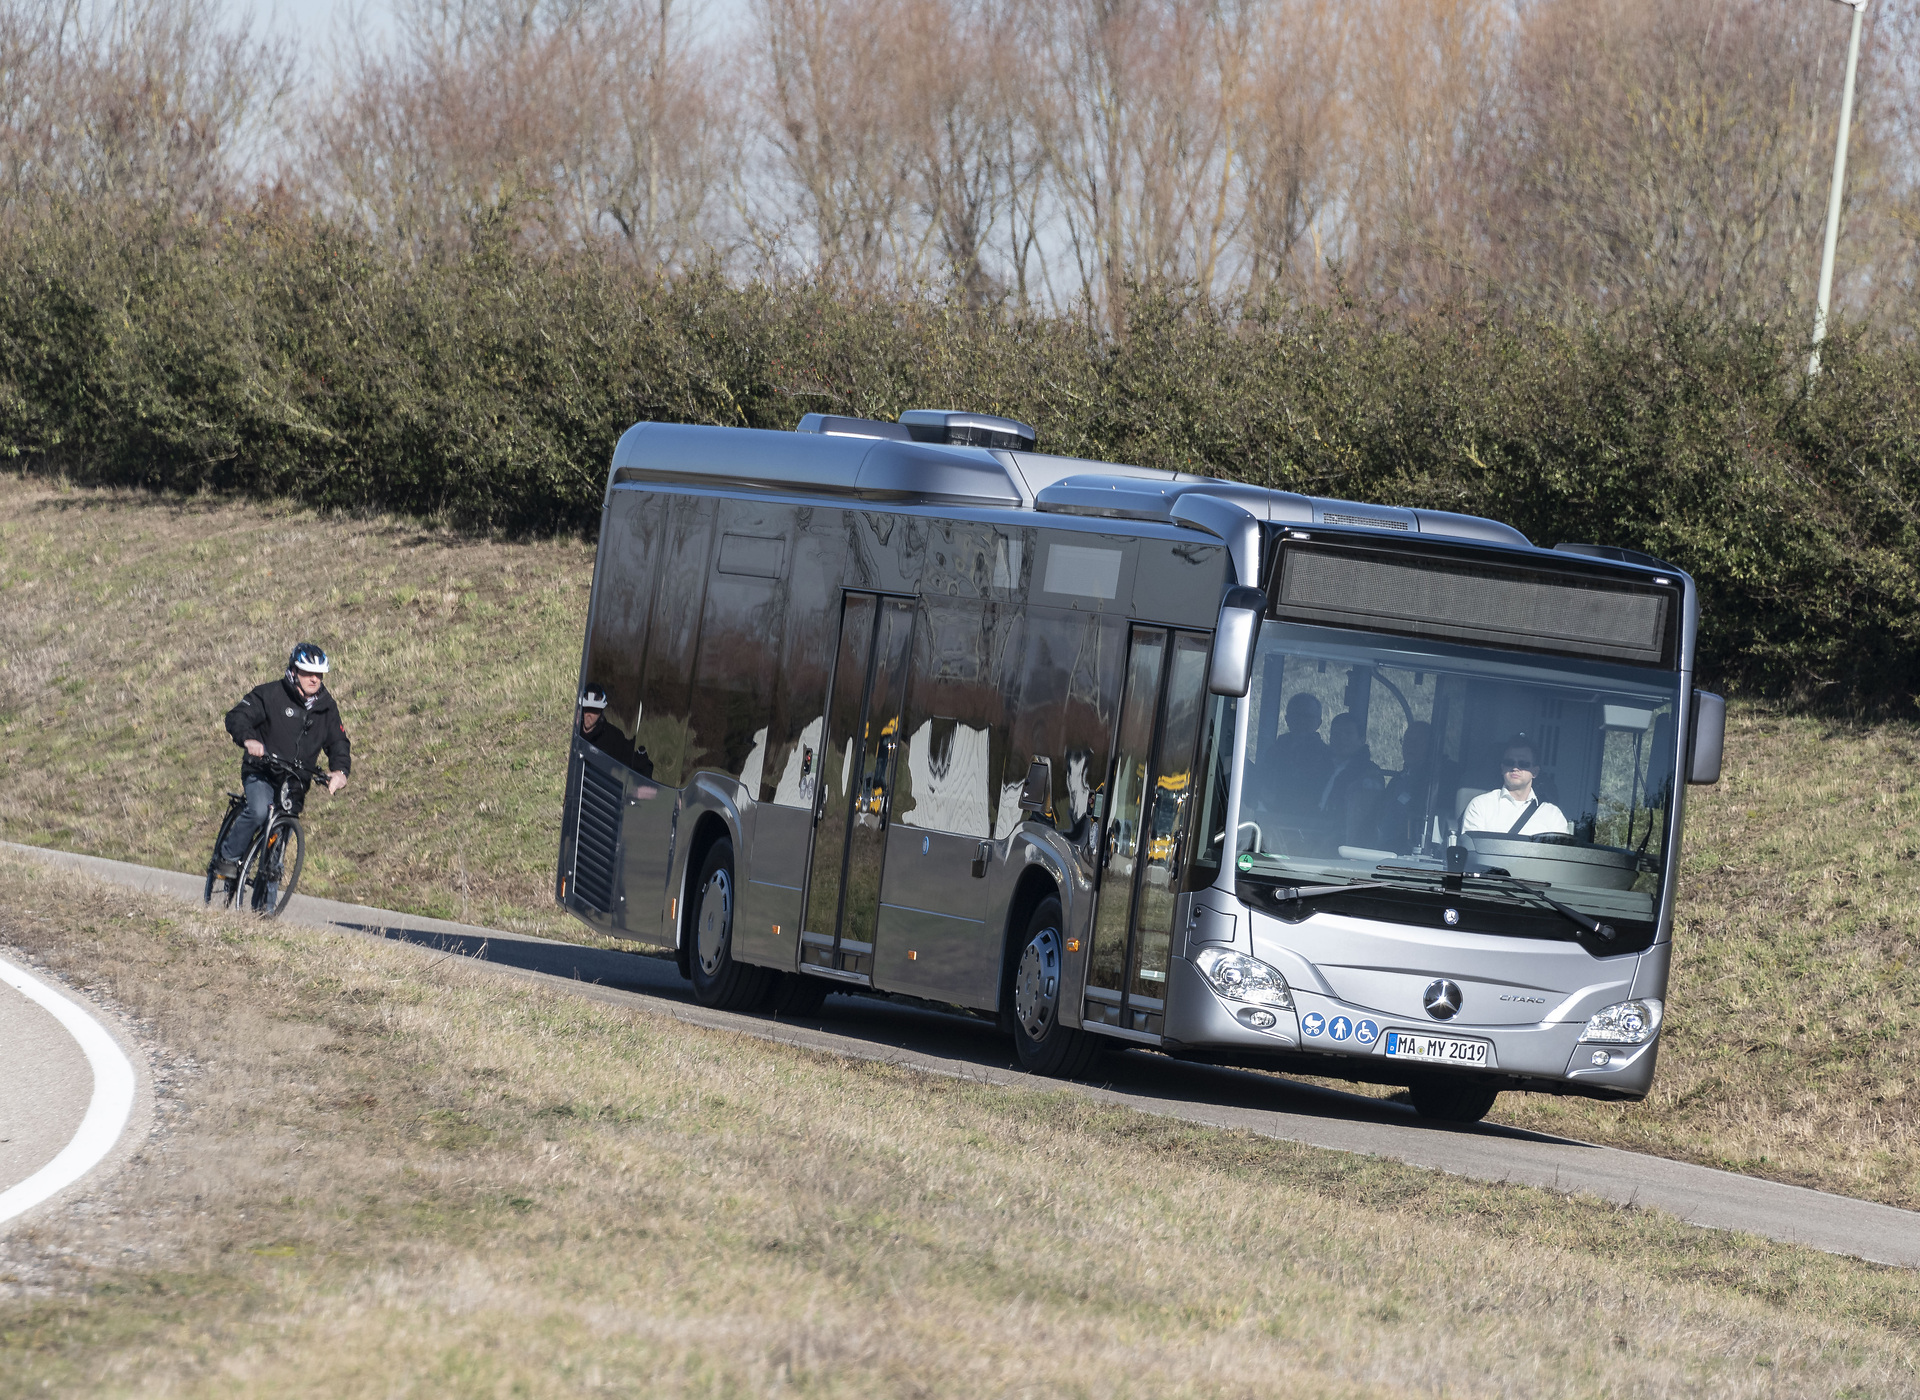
{"points": [[955, 703], [1068, 692], [626, 566], [812, 640], [667, 692], [741, 625]]}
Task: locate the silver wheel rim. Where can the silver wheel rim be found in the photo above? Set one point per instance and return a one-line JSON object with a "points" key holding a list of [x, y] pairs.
{"points": [[716, 917], [1036, 985]]}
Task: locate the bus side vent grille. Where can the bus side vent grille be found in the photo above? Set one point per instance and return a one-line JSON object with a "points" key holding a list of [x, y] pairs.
{"points": [[598, 839]]}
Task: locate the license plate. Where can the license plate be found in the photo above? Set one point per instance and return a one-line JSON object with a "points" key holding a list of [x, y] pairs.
{"points": [[1439, 1049]]}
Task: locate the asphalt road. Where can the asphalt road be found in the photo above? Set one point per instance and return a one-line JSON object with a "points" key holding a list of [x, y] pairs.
{"points": [[45, 1085], [1275, 1107]]}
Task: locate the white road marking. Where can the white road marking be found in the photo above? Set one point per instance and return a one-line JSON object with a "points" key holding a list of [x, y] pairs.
{"points": [[107, 1111]]}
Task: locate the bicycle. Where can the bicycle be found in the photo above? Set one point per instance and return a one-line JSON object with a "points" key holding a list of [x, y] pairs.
{"points": [[270, 870]]}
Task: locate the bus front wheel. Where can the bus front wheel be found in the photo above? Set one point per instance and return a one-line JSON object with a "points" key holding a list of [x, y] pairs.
{"points": [[718, 980], [1045, 1046]]}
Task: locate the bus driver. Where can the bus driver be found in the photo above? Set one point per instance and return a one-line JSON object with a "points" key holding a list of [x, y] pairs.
{"points": [[1512, 809]]}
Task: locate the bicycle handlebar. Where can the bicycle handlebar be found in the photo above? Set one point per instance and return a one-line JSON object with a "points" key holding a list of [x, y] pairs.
{"points": [[290, 768]]}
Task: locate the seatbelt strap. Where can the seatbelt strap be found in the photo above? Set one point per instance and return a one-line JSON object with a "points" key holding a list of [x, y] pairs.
{"points": [[1531, 808]]}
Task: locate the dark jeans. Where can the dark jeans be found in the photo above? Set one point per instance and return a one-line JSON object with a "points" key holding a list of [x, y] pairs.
{"points": [[260, 791]]}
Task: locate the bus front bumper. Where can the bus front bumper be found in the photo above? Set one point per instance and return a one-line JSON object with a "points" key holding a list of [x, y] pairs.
{"points": [[1325, 1036]]}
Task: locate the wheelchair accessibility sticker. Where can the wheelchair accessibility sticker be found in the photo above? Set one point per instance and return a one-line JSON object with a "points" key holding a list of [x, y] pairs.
{"points": [[1340, 1028]]}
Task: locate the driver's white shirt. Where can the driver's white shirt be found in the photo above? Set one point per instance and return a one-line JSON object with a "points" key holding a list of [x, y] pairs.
{"points": [[1498, 810]]}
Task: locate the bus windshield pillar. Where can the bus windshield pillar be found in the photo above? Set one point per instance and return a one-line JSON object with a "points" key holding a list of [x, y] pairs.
{"points": [[1242, 724]]}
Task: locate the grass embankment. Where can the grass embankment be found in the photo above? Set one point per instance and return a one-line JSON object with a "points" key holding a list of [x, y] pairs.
{"points": [[392, 1174], [128, 627], [128, 624]]}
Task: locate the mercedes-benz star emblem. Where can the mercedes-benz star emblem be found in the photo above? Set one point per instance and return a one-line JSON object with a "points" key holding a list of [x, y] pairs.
{"points": [[1442, 999], [1452, 916]]}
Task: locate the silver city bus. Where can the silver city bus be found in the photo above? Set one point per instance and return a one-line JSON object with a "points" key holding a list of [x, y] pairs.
{"points": [[1137, 758]]}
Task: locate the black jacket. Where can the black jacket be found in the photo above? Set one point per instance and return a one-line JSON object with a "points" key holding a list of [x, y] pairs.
{"points": [[619, 748], [278, 716]]}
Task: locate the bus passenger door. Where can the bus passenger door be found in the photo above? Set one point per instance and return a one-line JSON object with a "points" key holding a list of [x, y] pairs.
{"points": [[1150, 794], [859, 756]]}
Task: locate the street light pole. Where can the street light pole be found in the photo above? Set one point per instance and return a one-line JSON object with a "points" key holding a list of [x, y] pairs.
{"points": [[1833, 195]]}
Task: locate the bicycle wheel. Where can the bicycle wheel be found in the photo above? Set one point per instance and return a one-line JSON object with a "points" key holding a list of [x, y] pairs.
{"points": [[219, 893], [272, 868]]}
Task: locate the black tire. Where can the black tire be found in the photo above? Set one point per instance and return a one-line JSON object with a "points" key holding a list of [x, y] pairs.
{"points": [[1452, 1100], [794, 995], [1034, 980], [271, 872], [718, 980], [219, 893]]}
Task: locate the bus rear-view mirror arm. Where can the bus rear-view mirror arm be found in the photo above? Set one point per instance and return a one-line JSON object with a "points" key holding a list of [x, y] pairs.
{"points": [[1708, 737], [1235, 636]]}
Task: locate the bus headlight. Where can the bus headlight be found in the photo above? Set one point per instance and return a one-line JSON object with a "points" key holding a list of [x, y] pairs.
{"points": [[1624, 1023], [1238, 977]]}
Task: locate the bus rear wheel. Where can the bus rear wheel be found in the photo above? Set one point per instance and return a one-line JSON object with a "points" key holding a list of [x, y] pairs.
{"points": [[1044, 1045], [1452, 1100], [718, 980]]}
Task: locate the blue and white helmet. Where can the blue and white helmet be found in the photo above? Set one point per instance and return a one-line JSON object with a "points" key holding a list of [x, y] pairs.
{"points": [[308, 657]]}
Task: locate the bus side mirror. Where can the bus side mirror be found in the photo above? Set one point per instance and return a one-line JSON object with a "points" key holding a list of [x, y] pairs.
{"points": [[1235, 636], [1709, 735]]}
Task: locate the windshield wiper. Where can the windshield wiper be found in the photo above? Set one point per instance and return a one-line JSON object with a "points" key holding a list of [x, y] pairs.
{"points": [[1533, 889], [1293, 894], [1513, 884], [1510, 884]]}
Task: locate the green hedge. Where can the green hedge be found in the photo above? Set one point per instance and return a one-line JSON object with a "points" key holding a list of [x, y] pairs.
{"points": [[282, 355]]}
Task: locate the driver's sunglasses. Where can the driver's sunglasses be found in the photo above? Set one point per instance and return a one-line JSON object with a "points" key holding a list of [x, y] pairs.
{"points": [[1530, 766]]}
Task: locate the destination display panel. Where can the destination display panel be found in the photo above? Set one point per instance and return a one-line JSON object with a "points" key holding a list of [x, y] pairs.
{"points": [[1477, 603]]}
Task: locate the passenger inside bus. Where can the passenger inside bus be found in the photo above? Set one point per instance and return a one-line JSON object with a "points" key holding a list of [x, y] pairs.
{"points": [[1349, 804], [1292, 767], [1411, 792], [1300, 753]]}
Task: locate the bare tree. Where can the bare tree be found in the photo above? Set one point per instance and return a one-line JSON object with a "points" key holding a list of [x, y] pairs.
{"points": [[1297, 119], [1424, 82], [1145, 140], [1566, 154], [1891, 117], [829, 98], [1680, 153], [155, 100], [959, 77], [585, 120]]}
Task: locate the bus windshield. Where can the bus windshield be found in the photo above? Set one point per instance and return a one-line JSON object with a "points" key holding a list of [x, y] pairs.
{"points": [[1369, 756]]}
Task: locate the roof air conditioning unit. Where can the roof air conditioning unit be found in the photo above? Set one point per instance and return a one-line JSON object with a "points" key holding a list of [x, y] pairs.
{"points": [[968, 429]]}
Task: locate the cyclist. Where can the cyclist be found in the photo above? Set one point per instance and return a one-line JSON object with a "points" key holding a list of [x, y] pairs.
{"points": [[598, 730], [294, 719]]}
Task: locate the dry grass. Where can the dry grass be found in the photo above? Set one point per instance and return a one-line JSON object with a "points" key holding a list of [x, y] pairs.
{"points": [[391, 1175], [127, 625]]}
